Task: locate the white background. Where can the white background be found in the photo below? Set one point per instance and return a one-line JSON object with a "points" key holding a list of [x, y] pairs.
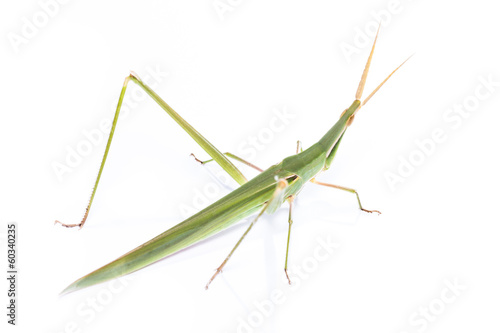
{"points": [[226, 74]]}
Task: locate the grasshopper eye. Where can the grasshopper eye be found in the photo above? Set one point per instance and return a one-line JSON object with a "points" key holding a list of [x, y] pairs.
{"points": [[350, 120]]}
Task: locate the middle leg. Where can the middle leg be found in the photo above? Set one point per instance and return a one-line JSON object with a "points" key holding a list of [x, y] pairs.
{"points": [[277, 195]]}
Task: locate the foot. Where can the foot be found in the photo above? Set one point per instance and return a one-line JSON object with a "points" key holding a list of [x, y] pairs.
{"points": [[371, 211]]}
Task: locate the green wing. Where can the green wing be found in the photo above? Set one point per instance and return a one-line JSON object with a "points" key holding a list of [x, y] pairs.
{"points": [[238, 204]]}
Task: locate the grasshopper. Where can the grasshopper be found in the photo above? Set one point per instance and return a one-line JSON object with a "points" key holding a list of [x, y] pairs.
{"points": [[264, 193]]}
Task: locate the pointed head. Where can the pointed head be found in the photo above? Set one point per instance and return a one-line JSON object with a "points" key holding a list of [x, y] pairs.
{"points": [[330, 141], [350, 112]]}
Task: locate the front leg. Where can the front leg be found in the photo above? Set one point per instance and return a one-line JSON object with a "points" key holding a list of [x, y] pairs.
{"points": [[314, 181]]}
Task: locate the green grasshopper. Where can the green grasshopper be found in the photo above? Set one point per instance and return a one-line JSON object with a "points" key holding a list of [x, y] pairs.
{"points": [[264, 193]]}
